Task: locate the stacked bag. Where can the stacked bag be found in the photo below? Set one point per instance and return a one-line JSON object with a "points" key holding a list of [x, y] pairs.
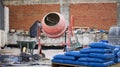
{"points": [[69, 57], [118, 57], [116, 52], [98, 54]]}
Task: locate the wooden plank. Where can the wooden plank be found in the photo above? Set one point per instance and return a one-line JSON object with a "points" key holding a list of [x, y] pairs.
{"points": [[65, 65], [116, 65], [70, 65]]}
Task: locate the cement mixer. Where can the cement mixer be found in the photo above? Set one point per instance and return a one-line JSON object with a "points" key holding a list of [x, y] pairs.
{"points": [[53, 24]]}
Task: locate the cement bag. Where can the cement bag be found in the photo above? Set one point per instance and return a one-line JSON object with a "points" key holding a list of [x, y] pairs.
{"points": [[104, 41], [64, 57], [106, 64], [116, 60], [88, 59], [85, 50], [117, 46], [119, 60], [102, 56], [84, 59], [97, 60], [73, 53], [82, 63], [84, 55], [116, 50], [98, 50], [101, 45], [70, 62], [118, 54], [57, 60]]}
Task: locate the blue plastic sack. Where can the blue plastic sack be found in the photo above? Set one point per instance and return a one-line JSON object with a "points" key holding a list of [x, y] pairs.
{"points": [[116, 50], [84, 59], [85, 50], [63, 57], [70, 62], [98, 50], [116, 60], [101, 45], [82, 63], [119, 60], [117, 46], [64, 61], [95, 50], [88, 59], [84, 55], [105, 41], [57, 60], [73, 53], [106, 64], [97, 60], [102, 56], [118, 54]]}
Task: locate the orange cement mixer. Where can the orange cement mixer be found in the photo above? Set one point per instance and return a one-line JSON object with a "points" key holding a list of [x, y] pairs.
{"points": [[53, 25]]}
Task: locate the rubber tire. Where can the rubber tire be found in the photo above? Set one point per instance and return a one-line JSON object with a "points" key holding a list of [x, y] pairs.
{"points": [[36, 57], [43, 55], [25, 57]]}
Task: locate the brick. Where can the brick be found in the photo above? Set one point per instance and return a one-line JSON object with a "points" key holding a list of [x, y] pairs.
{"points": [[23, 16], [98, 15]]}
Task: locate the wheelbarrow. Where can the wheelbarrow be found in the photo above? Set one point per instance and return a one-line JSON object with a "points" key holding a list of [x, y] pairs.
{"points": [[27, 48]]}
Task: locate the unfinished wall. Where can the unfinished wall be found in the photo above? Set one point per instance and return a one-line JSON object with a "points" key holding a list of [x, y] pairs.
{"points": [[97, 15], [24, 2], [23, 16]]}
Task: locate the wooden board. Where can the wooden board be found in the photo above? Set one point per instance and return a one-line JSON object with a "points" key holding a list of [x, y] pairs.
{"points": [[65, 65], [70, 65], [116, 65]]}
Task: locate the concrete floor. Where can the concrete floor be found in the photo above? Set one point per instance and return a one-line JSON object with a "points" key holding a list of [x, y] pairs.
{"points": [[45, 62], [41, 63]]}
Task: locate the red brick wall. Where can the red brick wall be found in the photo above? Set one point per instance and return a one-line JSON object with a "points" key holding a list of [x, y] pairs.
{"points": [[23, 16], [97, 15]]}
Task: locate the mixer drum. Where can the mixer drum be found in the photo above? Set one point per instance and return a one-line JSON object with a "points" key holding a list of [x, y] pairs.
{"points": [[53, 25]]}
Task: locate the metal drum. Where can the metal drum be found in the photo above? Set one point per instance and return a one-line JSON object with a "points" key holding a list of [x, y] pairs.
{"points": [[53, 24]]}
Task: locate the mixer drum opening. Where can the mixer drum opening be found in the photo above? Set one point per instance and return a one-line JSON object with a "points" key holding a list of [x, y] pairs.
{"points": [[53, 24], [50, 21]]}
